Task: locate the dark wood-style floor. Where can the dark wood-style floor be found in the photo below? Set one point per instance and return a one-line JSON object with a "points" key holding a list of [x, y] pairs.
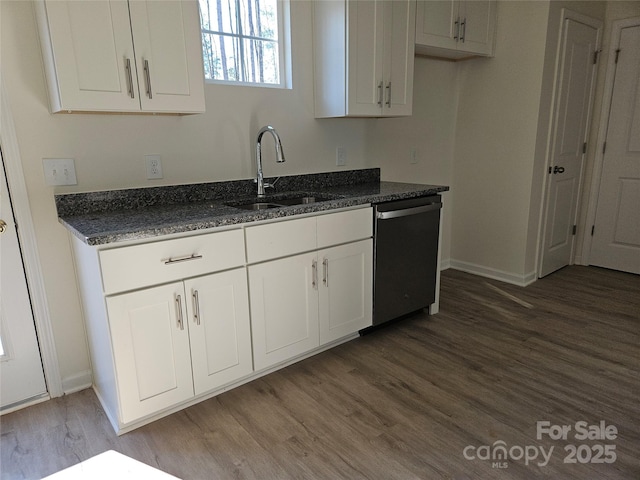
{"points": [[400, 403]]}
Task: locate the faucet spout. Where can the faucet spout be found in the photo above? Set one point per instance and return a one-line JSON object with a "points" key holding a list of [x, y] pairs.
{"points": [[279, 156]]}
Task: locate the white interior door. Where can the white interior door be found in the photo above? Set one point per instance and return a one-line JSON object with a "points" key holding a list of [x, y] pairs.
{"points": [[21, 374], [616, 237], [575, 86]]}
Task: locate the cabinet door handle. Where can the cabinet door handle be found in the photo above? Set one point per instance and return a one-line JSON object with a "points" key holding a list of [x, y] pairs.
{"points": [[380, 94], [457, 29], [127, 69], [314, 274], [325, 272], [193, 256], [464, 29], [389, 95], [179, 312], [196, 307], [147, 76]]}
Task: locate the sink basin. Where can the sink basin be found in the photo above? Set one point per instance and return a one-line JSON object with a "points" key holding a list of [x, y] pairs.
{"points": [[257, 206], [278, 202], [300, 200]]}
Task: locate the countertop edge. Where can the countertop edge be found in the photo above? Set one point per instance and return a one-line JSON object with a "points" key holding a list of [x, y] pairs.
{"points": [[235, 216]]}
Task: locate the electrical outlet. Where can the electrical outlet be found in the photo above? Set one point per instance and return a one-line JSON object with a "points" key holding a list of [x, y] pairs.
{"points": [[341, 156], [413, 156], [154, 166], [59, 171]]}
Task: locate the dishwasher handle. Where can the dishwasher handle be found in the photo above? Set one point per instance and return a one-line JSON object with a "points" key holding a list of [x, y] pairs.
{"points": [[429, 207]]}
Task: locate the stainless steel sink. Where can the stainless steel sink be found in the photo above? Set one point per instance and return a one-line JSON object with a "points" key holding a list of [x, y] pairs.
{"points": [[257, 206], [300, 200], [278, 202]]}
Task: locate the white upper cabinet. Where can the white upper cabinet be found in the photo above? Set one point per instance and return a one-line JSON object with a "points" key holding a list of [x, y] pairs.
{"points": [[363, 57], [455, 28], [119, 56]]}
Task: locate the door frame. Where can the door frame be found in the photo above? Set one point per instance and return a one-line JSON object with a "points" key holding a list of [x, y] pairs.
{"points": [[565, 13], [598, 161], [30, 256]]}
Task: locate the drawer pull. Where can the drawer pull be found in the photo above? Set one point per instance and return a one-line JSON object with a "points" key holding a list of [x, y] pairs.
{"points": [[193, 256]]}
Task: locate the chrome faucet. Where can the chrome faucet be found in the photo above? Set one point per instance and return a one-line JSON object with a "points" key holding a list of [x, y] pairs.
{"points": [[279, 156]]}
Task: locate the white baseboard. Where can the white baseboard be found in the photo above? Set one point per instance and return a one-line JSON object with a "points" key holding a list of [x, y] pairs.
{"points": [[507, 277], [75, 383], [445, 263]]}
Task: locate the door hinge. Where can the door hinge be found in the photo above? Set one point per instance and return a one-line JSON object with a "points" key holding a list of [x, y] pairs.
{"points": [[595, 56], [575, 228], [593, 228], [584, 147], [604, 147], [617, 55]]}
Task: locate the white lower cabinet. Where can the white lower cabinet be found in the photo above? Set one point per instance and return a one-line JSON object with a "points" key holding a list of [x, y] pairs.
{"points": [[301, 302], [219, 329], [174, 341], [150, 350], [284, 309], [346, 293], [176, 320]]}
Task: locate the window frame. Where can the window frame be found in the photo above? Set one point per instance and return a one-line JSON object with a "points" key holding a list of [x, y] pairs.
{"points": [[284, 49]]}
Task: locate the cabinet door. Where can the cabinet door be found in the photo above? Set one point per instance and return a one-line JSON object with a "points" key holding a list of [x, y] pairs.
{"points": [[168, 46], [150, 350], [478, 27], [218, 315], [365, 83], [399, 25], [87, 50], [346, 289], [436, 23], [284, 308]]}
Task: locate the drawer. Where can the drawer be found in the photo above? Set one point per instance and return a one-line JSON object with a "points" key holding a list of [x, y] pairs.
{"points": [[344, 227], [280, 239], [129, 268]]}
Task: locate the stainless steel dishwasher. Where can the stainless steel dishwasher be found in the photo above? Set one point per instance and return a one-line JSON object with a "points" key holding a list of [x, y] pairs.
{"points": [[405, 256]]}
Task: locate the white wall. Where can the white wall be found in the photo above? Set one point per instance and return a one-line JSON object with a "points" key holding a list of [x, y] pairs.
{"points": [[494, 145], [501, 141]]}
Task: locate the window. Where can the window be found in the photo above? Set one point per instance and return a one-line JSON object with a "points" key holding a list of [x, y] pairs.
{"points": [[242, 41]]}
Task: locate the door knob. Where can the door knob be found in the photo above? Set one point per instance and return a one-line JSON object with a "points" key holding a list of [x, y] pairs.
{"points": [[557, 169], [3, 226]]}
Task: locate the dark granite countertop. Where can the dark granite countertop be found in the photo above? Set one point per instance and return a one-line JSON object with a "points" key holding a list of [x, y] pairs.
{"points": [[100, 218]]}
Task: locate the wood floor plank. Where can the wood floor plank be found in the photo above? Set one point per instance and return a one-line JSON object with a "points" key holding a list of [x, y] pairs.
{"points": [[399, 403]]}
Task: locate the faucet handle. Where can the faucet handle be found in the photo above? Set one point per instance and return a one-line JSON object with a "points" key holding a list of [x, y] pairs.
{"points": [[271, 185]]}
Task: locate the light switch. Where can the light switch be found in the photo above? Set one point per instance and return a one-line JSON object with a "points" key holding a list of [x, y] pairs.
{"points": [[59, 171]]}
